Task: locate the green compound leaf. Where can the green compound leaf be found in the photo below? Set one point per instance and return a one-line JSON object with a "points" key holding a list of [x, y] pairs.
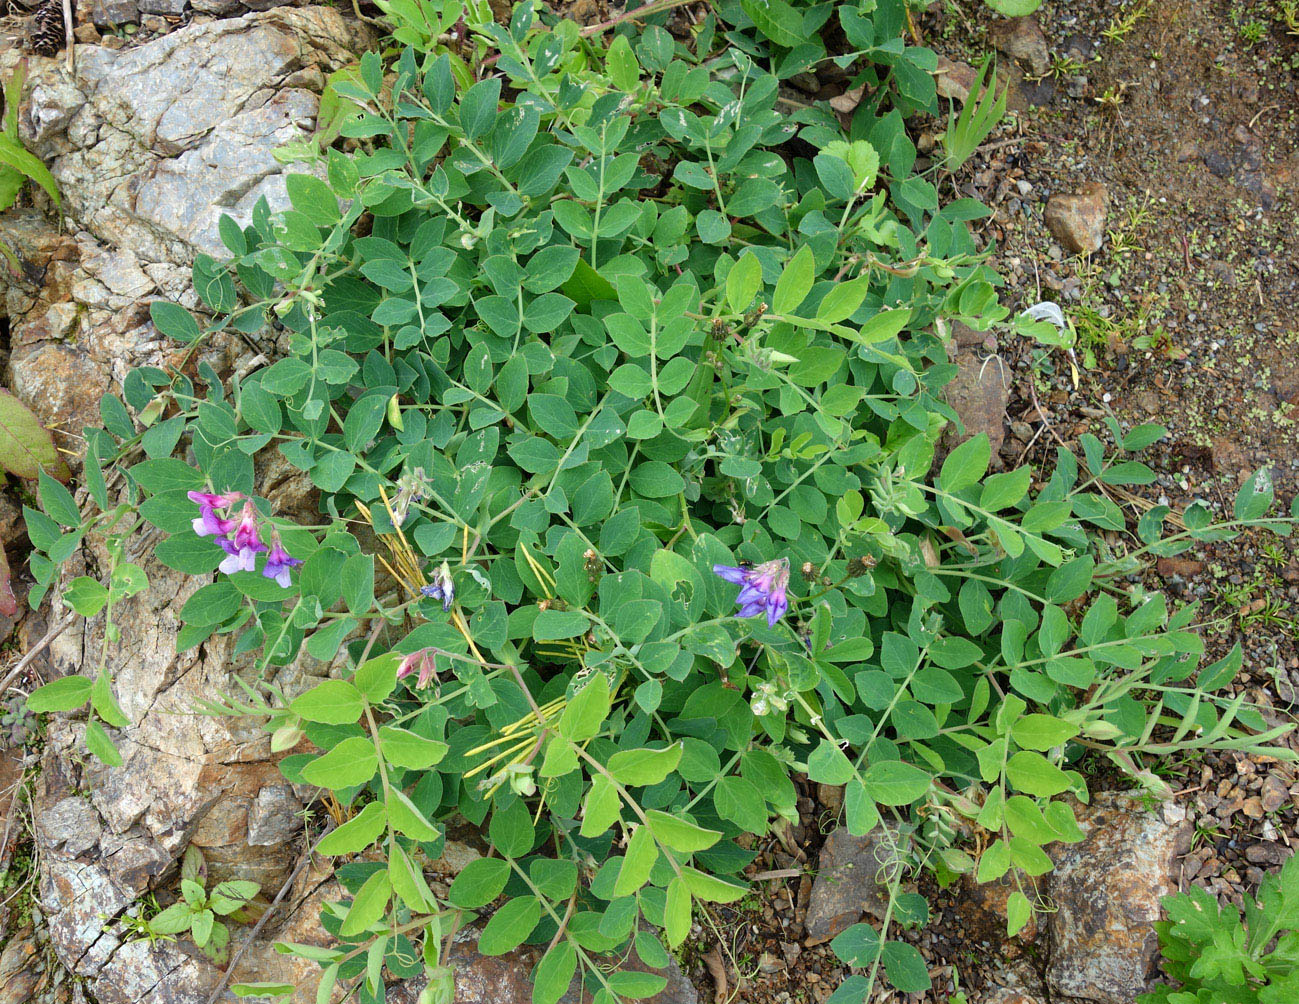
{"points": [[892, 782], [777, 20], [357, 833], [353, 761]]}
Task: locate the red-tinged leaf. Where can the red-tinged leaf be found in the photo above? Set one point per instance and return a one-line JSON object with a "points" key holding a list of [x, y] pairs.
{"points": [[26, 446]]}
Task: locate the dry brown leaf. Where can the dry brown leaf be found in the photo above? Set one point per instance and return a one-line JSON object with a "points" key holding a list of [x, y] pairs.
{"points": [[717, 970], [847, 102]]}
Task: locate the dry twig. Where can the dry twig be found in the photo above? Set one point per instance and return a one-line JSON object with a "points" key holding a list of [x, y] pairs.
{"points": [[68, 40], [36, 650]]}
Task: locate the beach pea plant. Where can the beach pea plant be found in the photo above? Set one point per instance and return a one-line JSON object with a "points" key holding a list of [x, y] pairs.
{"points": [[619, 382]]}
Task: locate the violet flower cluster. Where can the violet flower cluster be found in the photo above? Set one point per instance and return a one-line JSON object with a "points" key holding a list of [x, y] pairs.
{"points": [[241, 537], [762, 588]]}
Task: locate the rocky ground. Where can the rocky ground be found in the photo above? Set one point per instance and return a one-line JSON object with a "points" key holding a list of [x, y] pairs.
{"points": [[1145, 181]]}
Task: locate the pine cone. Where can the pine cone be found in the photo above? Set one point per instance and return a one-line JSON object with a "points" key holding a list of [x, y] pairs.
{"points": [[47, 33]]}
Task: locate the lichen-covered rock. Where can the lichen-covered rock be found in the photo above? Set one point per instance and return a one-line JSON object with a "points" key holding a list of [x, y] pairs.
{"points": [[272, 816], [220, 8], [1107, 890], [20, 965], [151, 144], [1008, 995], [107, 835], [100, 852]]}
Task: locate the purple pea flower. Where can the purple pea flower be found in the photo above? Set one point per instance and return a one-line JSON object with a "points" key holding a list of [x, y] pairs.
{"points": [[238, 559], [241, 551], [762, 588], [208, 523], [279, 561], [248, 529], [441, 588], [215, 501]]}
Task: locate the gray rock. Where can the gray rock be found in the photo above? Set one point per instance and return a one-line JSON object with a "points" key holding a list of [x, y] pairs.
{"points": [[186, 195], [52, 102], [849, 882], [134, 861], [1080, 47], [1107, 890], [121, 274], [1257, 185], [1217, 164], [1077, 221], [150, 145], [1274, 793], [108, 13], [76, 896], [71, 823], [1268, 852], [1022, 40], [161, 971], [220, 8], [171, 8], [273, 817]]}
